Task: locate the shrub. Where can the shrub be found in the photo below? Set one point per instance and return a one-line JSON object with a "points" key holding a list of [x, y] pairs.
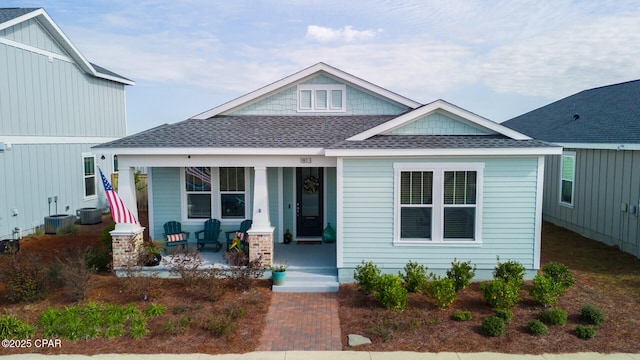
{"points": [[74, 273], [241, 270], [220, 325], [591, 314], [555, 316], [462, 316], [560, 274], [492, 326], [366, 275], [500, 294], [545, 290], [13, 328], [99, 258], [391, 293], [504, 314], [585, 332], [442, 291], [537, 328], [511, 271], [415, 276], [23, 277], [461, 273], [154, 310]]}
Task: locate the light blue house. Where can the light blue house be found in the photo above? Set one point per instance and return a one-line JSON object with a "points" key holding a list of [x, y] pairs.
{"points": [[54, 105], [397, 179]]}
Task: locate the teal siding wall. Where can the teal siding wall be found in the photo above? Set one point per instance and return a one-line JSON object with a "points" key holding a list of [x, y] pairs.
{"points": [[285, 102], [508, 222], [330, 195], [274, 195], [166, 198], [289, 200], [437, 124]]}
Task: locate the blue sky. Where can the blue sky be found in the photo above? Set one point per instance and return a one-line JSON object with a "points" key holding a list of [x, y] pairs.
{"points": [[498, 59]]}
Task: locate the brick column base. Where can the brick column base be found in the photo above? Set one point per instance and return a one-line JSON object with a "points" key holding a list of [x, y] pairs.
{"points": [[261, 245], [126, 245]]}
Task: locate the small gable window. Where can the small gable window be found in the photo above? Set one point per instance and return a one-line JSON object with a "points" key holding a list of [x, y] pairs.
{"points": [[321, 98]]}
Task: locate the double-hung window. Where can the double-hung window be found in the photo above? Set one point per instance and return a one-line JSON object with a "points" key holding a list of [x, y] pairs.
{"points": [[89, 176], [438, 203], [567, 177], [218, 193], [322, 98]]}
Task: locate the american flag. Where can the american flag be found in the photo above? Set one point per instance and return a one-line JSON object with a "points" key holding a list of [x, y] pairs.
{"points": [[119, 211]]}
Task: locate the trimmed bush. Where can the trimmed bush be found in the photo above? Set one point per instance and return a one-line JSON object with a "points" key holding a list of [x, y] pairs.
{"points": [[555, 316], [537, 328], [504, 314], [414, 277], [585, 332], [366, 275], [391, 293], [492, 326], [545, 290], [500, 294], [591, 314], [560, 273], [442, 291], [510, 271], [462, 316], [461, 273]]}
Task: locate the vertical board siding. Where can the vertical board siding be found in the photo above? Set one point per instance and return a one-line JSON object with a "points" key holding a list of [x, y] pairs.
{"points": [[42, 98], [32, 173], [509, 201], [604, 181]]}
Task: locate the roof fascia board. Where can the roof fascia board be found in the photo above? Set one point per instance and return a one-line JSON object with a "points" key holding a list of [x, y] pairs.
{"points": [[444, 152], [599, 146], [213, 151], [299, 77], [432, 107]]}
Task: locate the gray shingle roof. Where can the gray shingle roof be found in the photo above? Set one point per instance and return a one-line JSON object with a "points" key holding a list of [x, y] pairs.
{"points": [[440, 142], [328, 132], [104, 71], [609, 114], [252, 132], [7, 14]]}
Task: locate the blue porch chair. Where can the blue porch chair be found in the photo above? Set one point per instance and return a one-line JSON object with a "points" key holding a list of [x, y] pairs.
{"points": [[209, 235], [173, 234], [242, 232]]}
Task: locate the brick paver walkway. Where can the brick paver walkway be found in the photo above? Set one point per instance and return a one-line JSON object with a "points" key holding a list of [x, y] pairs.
{"points": [[302, 321]]}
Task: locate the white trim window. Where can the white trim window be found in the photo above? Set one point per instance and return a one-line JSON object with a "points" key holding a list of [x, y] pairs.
{"points": [[89, 176], [322, 98], [438, 203], [567, 177], [218, 193]]}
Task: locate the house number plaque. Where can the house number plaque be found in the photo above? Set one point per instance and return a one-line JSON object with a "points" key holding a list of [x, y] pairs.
{"points": [[305, 160]]}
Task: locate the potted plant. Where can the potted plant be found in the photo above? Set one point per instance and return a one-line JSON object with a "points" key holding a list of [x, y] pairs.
{"points": [[278, 271], [151, 253], [288, 237]]}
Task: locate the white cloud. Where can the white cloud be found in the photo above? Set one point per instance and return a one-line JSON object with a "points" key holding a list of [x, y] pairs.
{"points": [[346, 34]]}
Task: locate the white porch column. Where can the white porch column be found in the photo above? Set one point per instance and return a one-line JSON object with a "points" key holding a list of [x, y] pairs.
{"points": [[127, 189], [261, 221], [261, 232]]}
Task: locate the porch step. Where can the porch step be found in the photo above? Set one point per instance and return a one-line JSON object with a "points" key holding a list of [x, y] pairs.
{"points": [[297, 281]]}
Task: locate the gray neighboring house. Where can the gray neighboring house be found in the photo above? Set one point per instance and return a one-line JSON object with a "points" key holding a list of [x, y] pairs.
{"points": [[54, 106], [593, 188]]}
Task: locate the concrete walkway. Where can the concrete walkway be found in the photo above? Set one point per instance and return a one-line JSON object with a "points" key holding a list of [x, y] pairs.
{"points": [[302, 321], [336, 355]]}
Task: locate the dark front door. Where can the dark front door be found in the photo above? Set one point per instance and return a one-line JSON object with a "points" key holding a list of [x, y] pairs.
{"points": [[309, 201]]}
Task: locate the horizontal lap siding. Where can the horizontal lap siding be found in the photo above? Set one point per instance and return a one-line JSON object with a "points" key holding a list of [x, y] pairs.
{"points": [[508, 215]]}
